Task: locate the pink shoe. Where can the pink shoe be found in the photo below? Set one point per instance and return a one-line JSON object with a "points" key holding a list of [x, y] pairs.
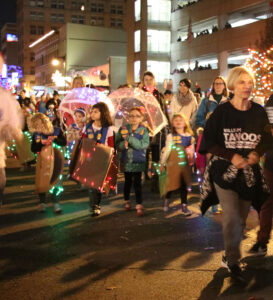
{"points": [[127, 205], [139, 208]]}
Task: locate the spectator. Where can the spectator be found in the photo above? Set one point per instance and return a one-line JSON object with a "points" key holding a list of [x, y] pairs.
{"points": [[184, 102], [55, 101]]}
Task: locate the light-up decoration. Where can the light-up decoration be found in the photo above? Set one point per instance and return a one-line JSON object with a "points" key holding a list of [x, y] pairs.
{"points": [[10, 76], [42, 38], [261, 66], [123, 100], [59, 79], [78, 98]]}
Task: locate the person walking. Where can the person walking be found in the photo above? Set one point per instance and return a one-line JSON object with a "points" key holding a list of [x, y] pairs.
{"points": [[233, 175]]}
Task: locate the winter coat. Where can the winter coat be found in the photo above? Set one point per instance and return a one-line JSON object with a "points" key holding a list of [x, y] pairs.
{"points": [[134, 157], [187, 110], [207, 105]]}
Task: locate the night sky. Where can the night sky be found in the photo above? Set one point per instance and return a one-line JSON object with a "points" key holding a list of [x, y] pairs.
{"points": [[7, 12]]}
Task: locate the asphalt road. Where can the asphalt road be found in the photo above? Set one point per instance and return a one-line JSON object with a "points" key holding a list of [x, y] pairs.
{"points": [[118, 255]]}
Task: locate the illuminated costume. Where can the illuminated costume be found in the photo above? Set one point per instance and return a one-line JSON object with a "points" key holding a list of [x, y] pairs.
{"points": [[50, 160]]}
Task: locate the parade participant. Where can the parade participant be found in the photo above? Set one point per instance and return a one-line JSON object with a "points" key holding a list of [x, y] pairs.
{"points": [[11, 122], [133, 140], [184, 102], [182, 135], [49, 161], [158, 142], [266, 213], [100, 130], [74, 131], [218, 95], [233, 175]]}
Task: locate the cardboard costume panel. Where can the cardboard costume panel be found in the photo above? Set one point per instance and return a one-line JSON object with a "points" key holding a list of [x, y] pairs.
{"points": [[93, 164], [176, 167], [58, 166], [23, 148], [44, 169]]}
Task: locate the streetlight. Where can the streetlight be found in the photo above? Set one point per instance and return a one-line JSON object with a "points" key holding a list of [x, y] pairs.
{"points": [[55, 62], [82, 8]]}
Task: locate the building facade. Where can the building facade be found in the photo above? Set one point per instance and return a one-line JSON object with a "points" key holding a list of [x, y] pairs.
{"points": [[76, 47], [209, 36], [9, 43], [37, 17], [149, 39]]}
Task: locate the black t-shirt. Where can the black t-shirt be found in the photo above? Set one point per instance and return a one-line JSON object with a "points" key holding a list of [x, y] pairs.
{"points": [[237, 131]]}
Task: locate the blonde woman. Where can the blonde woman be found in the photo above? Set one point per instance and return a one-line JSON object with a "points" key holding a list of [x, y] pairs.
{"points": [[236, 135]]}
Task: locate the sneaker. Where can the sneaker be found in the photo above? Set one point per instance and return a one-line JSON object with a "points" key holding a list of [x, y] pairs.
{"points": [[185, 211], [237, 275], [95, 211], [41, 207], [258, 250], [166, 205], [57, 208], [127, 205], [139, 208]]}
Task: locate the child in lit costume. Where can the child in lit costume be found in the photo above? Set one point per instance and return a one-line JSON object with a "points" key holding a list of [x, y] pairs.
{"points": [[100, 130], [75, 130], [49, 160], [179, 144], [133, 140]]}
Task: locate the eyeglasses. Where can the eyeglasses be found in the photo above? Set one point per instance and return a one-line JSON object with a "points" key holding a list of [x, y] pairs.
{"points": [[134, 116], [218, 83]]}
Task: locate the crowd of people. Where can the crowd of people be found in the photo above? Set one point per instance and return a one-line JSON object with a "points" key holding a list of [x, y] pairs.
{"points": [[216, 136]]}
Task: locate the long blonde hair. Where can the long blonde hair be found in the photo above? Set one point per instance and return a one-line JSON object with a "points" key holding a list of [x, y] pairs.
{"points": [[187, 124]]}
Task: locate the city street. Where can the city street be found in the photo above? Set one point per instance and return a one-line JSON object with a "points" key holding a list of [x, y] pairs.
{"points": [[117, 255]]}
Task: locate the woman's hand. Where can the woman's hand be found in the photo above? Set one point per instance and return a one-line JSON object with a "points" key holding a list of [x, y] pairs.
{"points": [[253, 158], [238, 161]]}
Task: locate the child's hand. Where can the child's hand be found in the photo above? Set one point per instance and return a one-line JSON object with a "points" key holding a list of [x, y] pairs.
{"points": [[126, 144], [162, 167]]}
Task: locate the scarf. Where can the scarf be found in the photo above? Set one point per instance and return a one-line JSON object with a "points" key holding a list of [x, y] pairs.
{"points": [[185, 100]]}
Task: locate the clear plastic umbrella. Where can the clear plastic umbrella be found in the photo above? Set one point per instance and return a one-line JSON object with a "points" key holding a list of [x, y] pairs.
{"points": [[121, 101], [78, 98]]}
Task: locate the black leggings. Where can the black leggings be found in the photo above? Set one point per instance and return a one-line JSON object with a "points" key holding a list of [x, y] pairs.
{"points": [[129, 178], [94, 197], [183, 192]]}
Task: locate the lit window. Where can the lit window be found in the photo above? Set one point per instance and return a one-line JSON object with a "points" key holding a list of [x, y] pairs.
{"points": [[137, 10], [161, 69], [158, 41], [137, 41], [159, 10], [137, 71]]}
